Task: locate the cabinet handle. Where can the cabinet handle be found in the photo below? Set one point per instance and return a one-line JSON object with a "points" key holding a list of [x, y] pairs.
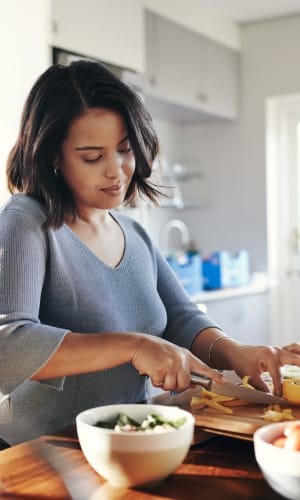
{"points": [[54, 26], [202, 97], [152, 80]]}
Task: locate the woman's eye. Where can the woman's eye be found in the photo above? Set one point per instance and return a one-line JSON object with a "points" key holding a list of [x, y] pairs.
{"points": [[124, 150], [92, 160]]}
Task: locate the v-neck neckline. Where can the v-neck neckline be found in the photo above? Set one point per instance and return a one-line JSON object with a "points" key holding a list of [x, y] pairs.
{"points": [[91, 254]]}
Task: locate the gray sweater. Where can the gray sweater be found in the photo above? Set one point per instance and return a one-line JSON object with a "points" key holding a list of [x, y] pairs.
{"points": [[50, 284]]}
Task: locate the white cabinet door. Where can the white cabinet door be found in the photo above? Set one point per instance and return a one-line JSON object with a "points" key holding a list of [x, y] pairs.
{"points": [[218, 78], [171, 60], [188, 69], [111, 31]]}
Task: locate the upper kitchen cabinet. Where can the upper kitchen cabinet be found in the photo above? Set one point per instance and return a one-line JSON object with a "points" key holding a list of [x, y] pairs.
{"points": [[218, 79], [111, 31], [171, 53], [193, 74]]}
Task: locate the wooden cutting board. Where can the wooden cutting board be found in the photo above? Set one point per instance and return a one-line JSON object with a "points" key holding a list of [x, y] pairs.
{"points": [[242, 423]]}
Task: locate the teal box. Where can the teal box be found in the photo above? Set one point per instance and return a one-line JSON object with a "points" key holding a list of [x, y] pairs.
{"points": [[221, 270], [188, 268]]}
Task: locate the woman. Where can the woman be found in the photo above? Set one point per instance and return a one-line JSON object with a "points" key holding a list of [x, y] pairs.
{"points": [[89, 308]]}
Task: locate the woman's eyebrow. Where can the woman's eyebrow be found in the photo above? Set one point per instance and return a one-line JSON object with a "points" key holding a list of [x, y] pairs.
{"points": [[85, 148]]}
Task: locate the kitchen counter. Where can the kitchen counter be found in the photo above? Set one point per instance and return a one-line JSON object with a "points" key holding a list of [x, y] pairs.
{"points": [[219, 467], [259, 284]]}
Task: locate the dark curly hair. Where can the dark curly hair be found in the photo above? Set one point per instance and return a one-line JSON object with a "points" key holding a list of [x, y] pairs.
{"points": [[60, 95]]}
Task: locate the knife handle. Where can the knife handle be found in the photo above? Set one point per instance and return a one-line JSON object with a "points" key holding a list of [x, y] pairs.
{"points": [[199, 380]]}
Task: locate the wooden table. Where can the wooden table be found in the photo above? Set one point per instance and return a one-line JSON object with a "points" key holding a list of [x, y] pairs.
{"points": [[220, 467]]}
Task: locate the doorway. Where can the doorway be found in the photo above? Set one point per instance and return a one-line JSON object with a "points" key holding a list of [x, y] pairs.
{"points": [[283, 209]]}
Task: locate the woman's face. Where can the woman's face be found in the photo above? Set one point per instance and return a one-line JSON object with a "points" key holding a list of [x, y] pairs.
{"points": [[97, 161]]}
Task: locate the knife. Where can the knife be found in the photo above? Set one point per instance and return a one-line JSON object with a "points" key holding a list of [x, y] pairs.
{"points": [[79, 485], [238, 391]]}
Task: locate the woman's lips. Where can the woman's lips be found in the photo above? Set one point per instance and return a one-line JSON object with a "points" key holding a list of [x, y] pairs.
{"points": [[114, 190]]}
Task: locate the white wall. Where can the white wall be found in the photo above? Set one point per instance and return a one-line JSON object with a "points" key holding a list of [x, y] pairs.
{"points": [[24, 42], [232, 155]]}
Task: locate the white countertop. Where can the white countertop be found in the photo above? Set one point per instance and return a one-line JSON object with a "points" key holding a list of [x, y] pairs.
{"points": [[259, 284]]}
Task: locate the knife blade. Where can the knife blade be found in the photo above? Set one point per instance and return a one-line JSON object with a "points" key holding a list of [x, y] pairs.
{"points": [[238, 391], [79, 485]]}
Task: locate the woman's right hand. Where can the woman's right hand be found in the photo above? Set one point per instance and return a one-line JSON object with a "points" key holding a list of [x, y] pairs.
{"points": [[168, 365]]}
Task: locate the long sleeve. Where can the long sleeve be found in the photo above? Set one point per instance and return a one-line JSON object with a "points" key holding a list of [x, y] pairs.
{"points": [[25, 344]]}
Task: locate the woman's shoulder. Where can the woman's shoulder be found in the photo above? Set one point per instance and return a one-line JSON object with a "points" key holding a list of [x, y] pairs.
{"points": [[25, 207]]}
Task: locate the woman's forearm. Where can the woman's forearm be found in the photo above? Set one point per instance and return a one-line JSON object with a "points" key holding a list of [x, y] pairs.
{"points": [[168, 365], [84, 353], [215, 353]]}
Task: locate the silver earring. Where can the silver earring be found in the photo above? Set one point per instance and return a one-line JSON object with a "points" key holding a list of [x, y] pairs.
{"points": [[56, 167]]}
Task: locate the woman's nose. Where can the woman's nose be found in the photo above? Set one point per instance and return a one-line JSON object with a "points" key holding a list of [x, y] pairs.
{"points": [[113, 166]]}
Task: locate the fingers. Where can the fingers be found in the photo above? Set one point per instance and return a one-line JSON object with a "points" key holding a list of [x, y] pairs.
{"points": [[274, 370], [293, 348], [204, 370], [270, 362], [257, 382], [157, 384], [262, 359], [171, 384], [173, 380], [180, 379], [170, 366]]}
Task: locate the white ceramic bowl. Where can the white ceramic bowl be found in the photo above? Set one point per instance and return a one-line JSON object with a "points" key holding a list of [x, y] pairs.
{"points": [[134, 458], [280, 467]]}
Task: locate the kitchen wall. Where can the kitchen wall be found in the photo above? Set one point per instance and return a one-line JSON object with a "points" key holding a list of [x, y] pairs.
{"points": [[231, 155], [25, 53]]}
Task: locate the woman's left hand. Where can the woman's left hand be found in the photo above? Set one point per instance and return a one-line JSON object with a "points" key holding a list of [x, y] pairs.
{"points": [[254, 360]]}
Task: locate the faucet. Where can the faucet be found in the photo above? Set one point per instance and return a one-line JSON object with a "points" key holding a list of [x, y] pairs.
{"points": [[165, 234]]}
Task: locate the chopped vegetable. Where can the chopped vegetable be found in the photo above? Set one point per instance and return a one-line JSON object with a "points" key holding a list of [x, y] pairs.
{"points": [[200, 402], [291, 390], [211, 399], [245, 382], [274, 413], [151, 423]]}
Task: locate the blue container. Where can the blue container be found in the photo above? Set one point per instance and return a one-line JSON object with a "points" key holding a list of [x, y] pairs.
{"points": [[188, 268], [221, 270]]}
